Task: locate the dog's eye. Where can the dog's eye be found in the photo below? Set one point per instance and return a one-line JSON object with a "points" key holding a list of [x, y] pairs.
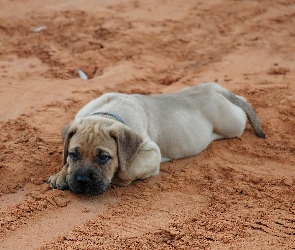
{"points": [[103, 158], [74, 155]]}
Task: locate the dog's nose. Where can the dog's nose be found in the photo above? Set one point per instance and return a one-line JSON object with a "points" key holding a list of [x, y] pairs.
{"points": [[83, 179]]}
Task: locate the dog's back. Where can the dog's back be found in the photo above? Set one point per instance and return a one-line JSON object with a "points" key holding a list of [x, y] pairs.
{"points": [[182, 123]]}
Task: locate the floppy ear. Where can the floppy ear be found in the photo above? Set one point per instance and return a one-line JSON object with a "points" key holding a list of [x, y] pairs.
{"points": [[128, 143], [67, 133], [64, 131]]}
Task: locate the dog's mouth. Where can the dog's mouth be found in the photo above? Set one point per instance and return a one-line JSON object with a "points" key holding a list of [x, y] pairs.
{"points": [[83, 184], [93, 189]]}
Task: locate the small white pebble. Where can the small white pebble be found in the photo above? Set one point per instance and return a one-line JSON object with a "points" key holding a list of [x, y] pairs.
{"points": [[38, 29], [82, 75]]}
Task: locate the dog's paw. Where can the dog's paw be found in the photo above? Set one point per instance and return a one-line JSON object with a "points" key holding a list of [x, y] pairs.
{"points": [[58, 181], [122, 183]]}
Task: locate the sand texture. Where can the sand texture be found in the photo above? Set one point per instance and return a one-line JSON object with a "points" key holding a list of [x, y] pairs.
{"points": [[237, 194]]}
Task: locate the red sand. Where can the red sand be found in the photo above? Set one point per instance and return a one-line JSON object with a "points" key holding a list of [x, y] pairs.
{"points": [[237, 194]]}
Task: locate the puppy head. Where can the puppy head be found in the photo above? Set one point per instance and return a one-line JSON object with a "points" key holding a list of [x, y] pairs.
{"points": [[95, 148]]}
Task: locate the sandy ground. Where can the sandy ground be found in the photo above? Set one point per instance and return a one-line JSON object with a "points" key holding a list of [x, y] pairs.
{"points": [[237, 194]]}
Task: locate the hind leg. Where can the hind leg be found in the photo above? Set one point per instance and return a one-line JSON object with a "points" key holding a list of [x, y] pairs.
{"points": [[215, 136], [229, 121]]}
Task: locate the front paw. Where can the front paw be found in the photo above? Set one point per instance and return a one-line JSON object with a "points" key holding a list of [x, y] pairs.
{"points": [[58, 181], [120, 182]]}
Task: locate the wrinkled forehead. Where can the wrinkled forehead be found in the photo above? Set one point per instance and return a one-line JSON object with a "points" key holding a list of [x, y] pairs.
{"points": [[91, 136]]}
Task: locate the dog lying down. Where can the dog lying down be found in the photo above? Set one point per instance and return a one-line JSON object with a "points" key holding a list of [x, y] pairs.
{"points": [[119, 138]]}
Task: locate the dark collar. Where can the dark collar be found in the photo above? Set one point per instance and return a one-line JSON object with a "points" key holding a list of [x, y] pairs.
{"points": [[118, 118]]}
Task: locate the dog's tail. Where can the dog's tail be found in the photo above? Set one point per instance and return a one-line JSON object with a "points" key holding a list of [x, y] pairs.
{"points": [[244, 105]]}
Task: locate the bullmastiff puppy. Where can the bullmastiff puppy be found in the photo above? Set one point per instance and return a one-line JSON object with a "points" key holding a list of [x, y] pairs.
{"points": [[119, 138]]}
